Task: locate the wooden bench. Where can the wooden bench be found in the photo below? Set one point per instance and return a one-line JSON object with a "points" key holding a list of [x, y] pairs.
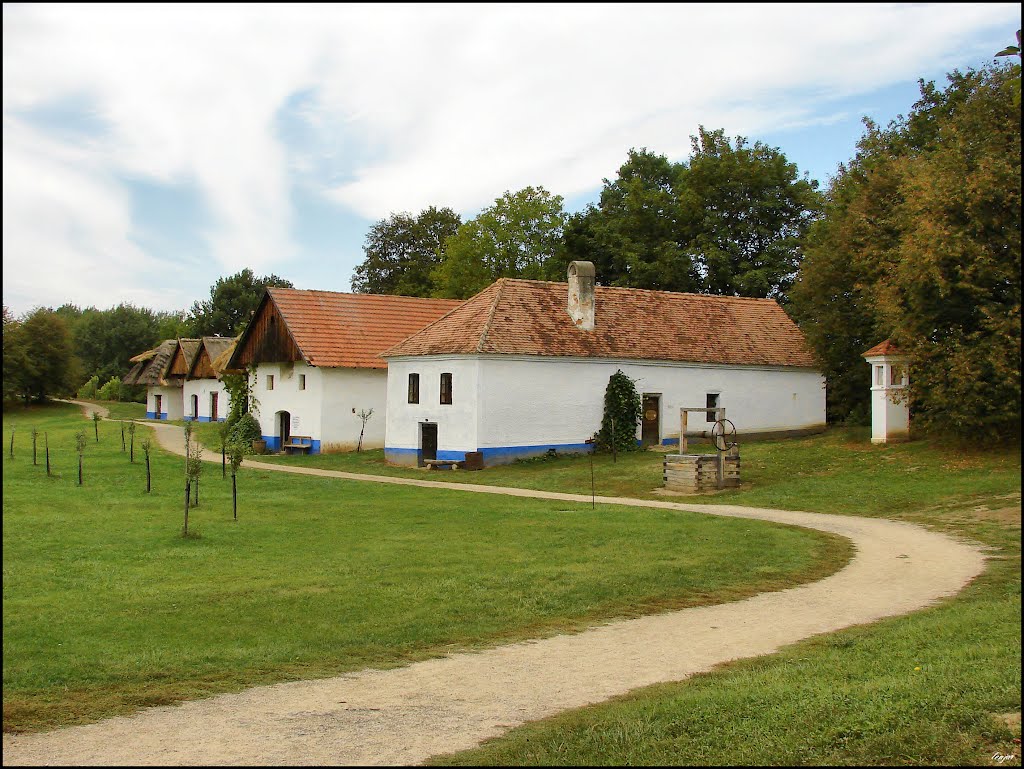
{"points": [[301, 443], [437, 464]]}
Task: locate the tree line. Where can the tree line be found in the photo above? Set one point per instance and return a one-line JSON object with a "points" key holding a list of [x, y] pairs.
{"points": [[50, 352], [916, 239], [730, 220]]}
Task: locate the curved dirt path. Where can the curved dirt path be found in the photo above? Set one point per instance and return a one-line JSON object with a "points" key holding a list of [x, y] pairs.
{"points": [[88, 408], [406, 715]]}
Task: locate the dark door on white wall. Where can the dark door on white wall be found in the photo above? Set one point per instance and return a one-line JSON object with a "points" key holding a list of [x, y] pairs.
{"points": [[650, 426], [428, 441], [213, 407], [285, 422], [195, 407], [159, 404]]}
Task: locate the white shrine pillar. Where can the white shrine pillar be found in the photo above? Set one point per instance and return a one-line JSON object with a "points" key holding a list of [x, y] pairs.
{"points": [[890, 413]]}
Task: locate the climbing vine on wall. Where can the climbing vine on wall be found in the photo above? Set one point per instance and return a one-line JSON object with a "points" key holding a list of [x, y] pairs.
{"points": [[621, 414]]}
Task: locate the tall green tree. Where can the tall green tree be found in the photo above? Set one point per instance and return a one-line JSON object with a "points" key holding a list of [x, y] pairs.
{"points": [[514, 238], [920, 243], [730, 220], [753, 211], [48, 346], [401, 252], [232, 302], [18, 367], [638, 233], [104, 340]]}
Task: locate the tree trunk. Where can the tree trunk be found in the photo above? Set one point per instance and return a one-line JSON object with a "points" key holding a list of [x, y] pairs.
{"points": [[79, 469], [188, 493], [33, 450], [223, 462], [47, 454], [195, 502], [148, 485], [96, 429], [122, 436], [234, 498], [131, 456]]}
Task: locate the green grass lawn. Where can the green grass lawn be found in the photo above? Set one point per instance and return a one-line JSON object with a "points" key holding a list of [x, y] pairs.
{"points": [[938, 687], [108, 608], [839, 472], [121, 409]]}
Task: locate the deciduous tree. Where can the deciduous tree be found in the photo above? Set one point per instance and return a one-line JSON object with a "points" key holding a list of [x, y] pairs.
{"points": [[232, 302], [402, 250], [514, 238], [920, 243]]}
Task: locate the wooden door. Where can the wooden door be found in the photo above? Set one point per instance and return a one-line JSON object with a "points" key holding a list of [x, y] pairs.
{"points": [[650, 426], [195, 407], [286, 427], [213, 406], [159, 405], [428, 441]]}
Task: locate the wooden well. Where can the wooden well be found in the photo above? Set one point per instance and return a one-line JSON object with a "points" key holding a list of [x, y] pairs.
{"points": [[697, 473]]}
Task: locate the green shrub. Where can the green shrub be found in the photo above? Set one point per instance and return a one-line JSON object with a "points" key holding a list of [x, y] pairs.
{"points": [[621, 414], [111, 391], [88, 390], [246, 430]]}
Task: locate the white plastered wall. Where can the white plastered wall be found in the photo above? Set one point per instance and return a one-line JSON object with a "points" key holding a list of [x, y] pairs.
{"points": [[506, 401], [346, 392], [561, 400], [456, 422], [324, 409], [202, 388], [172, 404]]}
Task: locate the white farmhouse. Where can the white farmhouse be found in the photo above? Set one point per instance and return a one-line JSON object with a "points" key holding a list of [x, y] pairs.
{"points": [[204, 395], [522, 367], [163, 391], [315, 359]]}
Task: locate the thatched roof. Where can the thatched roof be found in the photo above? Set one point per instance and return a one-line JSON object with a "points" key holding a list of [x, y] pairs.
{"points": [[220, 360], [151, 366], [183, 358]]}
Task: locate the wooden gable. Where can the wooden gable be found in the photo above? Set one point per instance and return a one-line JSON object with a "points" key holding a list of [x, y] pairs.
{"points": [[202, 368], [266, 339], [183, 357]]}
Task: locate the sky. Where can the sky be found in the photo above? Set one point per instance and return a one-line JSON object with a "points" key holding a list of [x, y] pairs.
{"points": [[151, 149]]}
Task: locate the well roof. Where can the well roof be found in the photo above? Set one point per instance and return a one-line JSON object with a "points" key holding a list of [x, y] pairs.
{"points": [[883, 348]]}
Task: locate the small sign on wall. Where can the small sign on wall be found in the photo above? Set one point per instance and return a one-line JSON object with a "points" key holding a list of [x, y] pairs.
{"points": [[295, 422]]}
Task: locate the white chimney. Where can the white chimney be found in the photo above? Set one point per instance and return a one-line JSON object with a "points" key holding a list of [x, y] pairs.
{"points": [[581, 294]]}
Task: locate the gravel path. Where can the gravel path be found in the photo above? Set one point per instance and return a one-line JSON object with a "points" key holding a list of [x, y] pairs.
{"points": [[406, 715]]}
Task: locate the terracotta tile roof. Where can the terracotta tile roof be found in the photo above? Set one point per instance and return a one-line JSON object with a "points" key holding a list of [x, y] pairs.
{"points": [[527, 317], [884, 348], [333, 329]]}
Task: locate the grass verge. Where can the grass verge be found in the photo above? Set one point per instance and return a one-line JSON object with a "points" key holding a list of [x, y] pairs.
{"points": [[107, 607], [938, 687]]}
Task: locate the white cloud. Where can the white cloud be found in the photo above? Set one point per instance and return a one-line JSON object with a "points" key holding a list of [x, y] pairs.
{"points": [[410, 105]]}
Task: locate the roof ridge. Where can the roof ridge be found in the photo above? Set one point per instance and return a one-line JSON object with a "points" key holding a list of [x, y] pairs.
{"points": [[500, 283]]}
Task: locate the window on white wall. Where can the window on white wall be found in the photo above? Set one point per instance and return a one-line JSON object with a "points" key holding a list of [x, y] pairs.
{"points": [[879, 375], [446, 389], [302, 381], [270, 381], [414, 388], [712, 404]]}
